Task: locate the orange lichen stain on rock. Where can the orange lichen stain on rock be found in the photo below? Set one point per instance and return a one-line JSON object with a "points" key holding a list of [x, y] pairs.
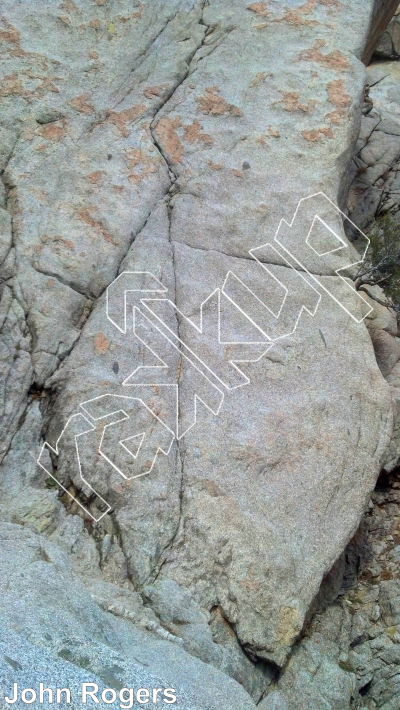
{"points": [[335, 116], [121, 119], [250, 582], [337, 95], [140, 165], [152, 91], [258, 79], [52, 131], [12, 85], [291, 102], [95, 24], [340, 99], [101, 344], [132, 16], [58, 243], [50, 283], [333, 60], [214, 166], [193, 133], [10, 39], [94, 177], [68, 6], [93, 54], [166, 131], [331, 3], [316, 134], [11, 36], [57, 240], [237, 173], [64, 19], [100, 2], [296, 17], [274, 132], [260, 8], [46, 85], [84, 215], [81, 104], [214, 105], [67, 243]]}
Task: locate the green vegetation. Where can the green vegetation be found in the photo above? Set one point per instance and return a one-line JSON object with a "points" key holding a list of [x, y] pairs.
{"points": [[382, 263]]}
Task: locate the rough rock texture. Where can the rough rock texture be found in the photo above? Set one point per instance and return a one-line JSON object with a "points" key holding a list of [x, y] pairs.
{"points": [[349, 656], [382, 14], [388, 46], [49, 621], [375, 192], [172, 137], [375, 185]]}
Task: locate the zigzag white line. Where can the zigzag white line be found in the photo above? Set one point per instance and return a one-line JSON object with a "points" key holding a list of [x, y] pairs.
{"points": [[234, 363], [56, 452], [348, 266]]}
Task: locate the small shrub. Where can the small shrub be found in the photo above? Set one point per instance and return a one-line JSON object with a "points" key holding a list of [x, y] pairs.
{"points": [[382, 263]]}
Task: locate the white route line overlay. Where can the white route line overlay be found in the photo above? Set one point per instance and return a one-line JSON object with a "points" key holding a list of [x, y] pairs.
{"points": [[119, 410], [126, 382], [158, 287], [343, 246], [56, 452]]}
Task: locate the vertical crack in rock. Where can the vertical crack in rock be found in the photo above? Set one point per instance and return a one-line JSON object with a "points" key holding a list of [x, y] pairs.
{"points": [[7, 189], [237, 543], [167, 196], [171, 94], [7, 279], [180, 453]]}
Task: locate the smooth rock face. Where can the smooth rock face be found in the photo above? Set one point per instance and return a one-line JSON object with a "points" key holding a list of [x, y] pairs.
{"points": [[171, 138]]}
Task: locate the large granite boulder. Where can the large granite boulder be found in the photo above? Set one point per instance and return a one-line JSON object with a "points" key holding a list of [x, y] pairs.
{"points": [[172, 138]]}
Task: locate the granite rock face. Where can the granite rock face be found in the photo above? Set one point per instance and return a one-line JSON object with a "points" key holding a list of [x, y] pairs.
{"points": [[374, 193], [388, 46], [375, 189], [381, 16], [349, 655], [171, 138], [53, 631]]}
